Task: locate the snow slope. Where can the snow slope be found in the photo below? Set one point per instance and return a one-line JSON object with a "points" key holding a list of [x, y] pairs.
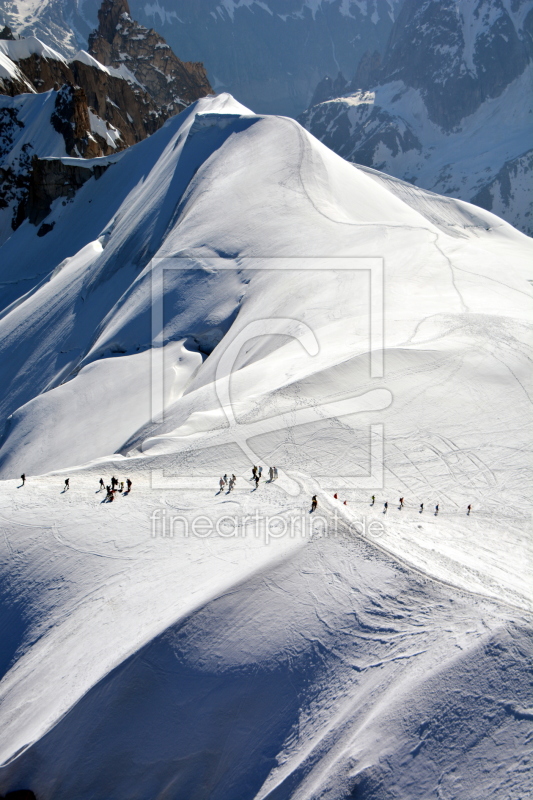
{"points": [[334, 659]]}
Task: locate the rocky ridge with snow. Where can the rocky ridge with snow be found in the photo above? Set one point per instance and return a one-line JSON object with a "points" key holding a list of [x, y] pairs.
{"points": [[448, 107], [98, 110]]}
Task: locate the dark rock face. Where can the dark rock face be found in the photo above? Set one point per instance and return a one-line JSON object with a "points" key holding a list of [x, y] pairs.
{"points": [[15, 177], [85, 92], [50, 179], [7, 33], [120, 41], [368, 71], [511, 187], [71, 119], [328, 89], [131, 110]]}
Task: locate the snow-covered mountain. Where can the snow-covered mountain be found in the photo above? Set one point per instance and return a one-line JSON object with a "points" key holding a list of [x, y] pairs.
{"points": [[231, 292], [269, 53], [449, 107]]}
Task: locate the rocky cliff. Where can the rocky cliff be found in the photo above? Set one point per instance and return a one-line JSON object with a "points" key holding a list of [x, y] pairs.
{"points": [[120, 42], [121, 103]]}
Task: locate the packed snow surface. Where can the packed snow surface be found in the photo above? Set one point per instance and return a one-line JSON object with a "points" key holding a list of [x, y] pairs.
{"points": [[231, 293]]}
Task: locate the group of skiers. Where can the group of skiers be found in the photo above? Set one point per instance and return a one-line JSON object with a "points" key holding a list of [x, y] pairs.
{"points": [[118, 486], [113, 487], [401, 503], [256, 477], [229, 482]]}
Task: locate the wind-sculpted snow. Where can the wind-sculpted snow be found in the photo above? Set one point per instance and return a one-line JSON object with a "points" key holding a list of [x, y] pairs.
{"points": [[231, 292]]}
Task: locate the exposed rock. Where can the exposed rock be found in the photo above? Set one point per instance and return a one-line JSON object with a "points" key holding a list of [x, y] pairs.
{"points": [[368, 71], [112, 98], [510, 192], [7, 33], [45, 73], [71, 119], [50, 178], [119, 41], [328, 88], [101, 107], [133, 113]]}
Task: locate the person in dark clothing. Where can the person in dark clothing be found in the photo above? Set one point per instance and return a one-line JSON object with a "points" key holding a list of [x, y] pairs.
{"points": [[67, 484], [401, 502], [23, 478], [421, 507], [101, 485], [314, 502], [468, 510], [373, 499], [385, 507], [129, 484], [436, 509]]}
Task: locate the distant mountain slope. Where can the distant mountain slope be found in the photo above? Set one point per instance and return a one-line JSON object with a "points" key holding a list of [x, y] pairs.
{"points": [[450, 107], [269, 53]]}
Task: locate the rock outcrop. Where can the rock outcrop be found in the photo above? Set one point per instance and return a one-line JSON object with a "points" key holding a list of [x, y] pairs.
{"points": [[124, 105], [51, 178], [120, 42]]}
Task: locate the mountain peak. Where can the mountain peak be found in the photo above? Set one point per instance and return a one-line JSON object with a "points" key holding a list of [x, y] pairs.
{"points": [[109, 15], [121, 42]]}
